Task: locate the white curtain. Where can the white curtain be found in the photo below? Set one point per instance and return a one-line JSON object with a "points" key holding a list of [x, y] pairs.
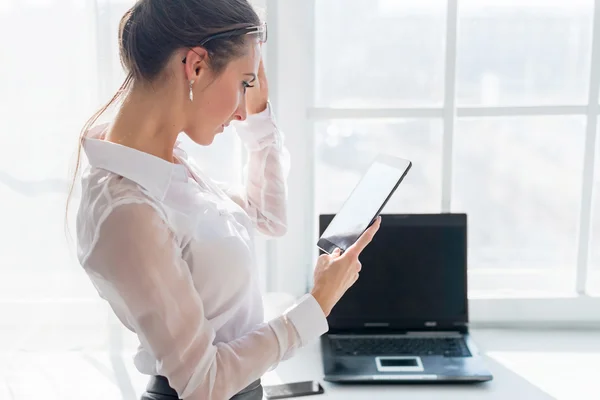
{"points": [[58, 64]]}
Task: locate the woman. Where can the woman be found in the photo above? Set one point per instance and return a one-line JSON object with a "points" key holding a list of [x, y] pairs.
{"points": [[170, 250]]}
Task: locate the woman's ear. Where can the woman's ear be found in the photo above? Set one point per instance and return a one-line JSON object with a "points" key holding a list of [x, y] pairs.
{"points": [[195, 63]]}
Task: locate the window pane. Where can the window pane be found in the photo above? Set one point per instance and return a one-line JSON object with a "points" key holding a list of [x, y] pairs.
{"points": [[346, 148], [368, 54], [524, 52], [36, 153], [519, 180], [594, 271]]}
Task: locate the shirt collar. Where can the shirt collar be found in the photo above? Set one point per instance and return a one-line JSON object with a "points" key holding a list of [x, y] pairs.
{"points": [[150, 172]]}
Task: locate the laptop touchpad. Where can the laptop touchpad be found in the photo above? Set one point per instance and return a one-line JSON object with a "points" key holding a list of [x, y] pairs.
{"points": [[397, 364]]}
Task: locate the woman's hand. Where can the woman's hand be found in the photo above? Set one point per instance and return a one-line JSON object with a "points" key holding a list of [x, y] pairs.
{"points": [[336, 273], [258, 96]]}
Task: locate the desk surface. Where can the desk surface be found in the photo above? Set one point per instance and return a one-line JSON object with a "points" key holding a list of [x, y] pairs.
{"points": [[531, 365]]}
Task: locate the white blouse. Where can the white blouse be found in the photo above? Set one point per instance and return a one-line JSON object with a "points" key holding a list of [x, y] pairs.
{"points": [[172, 252]]}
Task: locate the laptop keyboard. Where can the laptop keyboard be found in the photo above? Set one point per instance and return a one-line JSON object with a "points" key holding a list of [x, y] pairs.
{"points": [[447, 347]]}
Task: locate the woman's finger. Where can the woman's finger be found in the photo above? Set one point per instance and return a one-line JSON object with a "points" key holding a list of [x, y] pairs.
{"points": [[364, 239]]}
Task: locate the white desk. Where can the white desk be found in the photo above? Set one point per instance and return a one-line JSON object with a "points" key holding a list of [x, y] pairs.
{"points": [[527, 365]]}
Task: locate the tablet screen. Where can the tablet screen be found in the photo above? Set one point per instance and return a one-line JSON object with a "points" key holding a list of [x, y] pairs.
{"points": [[364, 203]]}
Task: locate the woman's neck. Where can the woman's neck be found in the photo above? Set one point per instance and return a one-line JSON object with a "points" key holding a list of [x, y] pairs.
{"points": [[148, 122]]}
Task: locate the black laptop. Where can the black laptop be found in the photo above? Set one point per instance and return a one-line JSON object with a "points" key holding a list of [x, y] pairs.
{"points": [[406, 318]]}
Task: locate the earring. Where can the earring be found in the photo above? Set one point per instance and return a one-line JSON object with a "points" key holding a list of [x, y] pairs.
{"points": [[191, 90]]}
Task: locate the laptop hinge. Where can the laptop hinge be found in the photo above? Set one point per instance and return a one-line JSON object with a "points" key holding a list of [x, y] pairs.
{"points": [[388, 329]]}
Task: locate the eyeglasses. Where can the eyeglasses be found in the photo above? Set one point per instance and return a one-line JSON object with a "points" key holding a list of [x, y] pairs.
{"points": [[259, 30]]}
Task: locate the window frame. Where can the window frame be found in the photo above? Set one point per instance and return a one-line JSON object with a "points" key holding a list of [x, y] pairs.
{"points": [[292, 79]]}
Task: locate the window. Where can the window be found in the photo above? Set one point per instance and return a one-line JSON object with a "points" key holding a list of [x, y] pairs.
{"points": [[491, 101], [514, 53], [345, 148], [519, 181], [36, 153], [50, 84], [594, 250], [391, 53]]}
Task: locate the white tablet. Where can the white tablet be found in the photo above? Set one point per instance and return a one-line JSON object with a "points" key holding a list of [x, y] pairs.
{"points": [[365, 203]]}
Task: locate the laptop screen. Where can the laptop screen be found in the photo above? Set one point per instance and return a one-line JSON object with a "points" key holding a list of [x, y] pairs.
{"points": [[413, 276]]}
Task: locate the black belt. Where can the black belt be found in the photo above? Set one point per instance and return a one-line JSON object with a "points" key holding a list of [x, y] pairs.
{"points": [[160, 385]]}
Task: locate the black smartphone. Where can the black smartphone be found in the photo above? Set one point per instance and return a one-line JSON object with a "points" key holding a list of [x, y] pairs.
{"points": [[294, 389]]}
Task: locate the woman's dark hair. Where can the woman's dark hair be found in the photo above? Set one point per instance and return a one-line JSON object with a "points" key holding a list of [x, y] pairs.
{"points": [[152, 30]]}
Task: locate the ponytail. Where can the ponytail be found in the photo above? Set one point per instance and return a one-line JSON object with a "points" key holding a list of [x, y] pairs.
{"points": [[125, 86]]}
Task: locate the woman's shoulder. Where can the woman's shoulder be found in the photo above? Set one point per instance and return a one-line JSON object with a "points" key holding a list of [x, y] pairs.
{"points": [[101, 193], [102, 187]]}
